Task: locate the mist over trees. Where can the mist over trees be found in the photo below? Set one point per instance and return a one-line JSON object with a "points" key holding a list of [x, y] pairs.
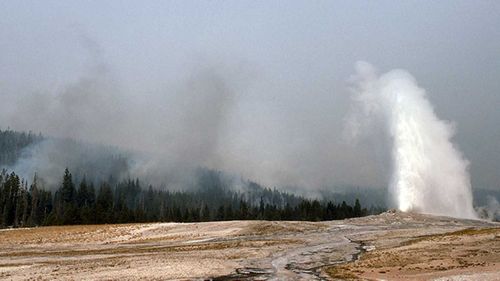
{"points": [[96, 190], [12, 144], [27, 153], [128, 201]]}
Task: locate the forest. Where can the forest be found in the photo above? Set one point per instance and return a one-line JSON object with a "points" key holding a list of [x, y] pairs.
{"points": [[87, 200], [127, 201]]}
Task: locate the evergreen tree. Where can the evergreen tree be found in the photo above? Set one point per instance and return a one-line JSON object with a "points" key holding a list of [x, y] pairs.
{"points": [[10, 196], [68, 194], [205, 213], [104, 204], [220, 213], [357, 209], [66, 208]]}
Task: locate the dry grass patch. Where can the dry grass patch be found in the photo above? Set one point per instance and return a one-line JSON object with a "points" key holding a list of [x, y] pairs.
{"points": [[63, 234], [426, 254], [286, 227]]}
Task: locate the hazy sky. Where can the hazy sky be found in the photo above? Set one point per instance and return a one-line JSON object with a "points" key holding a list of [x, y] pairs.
{"points": [[254, 87]]}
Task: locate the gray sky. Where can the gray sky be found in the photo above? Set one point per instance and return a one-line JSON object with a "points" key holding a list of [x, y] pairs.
{"points": [[269, 78]]}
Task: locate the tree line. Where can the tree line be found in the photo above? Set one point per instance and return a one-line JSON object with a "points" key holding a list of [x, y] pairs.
{"points": [[12, 144], [23, 205]]}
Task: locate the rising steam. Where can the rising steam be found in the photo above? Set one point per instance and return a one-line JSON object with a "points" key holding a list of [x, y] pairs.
{"points": [[429, 174]]}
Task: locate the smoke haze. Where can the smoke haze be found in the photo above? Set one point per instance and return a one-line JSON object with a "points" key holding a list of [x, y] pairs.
{"points": [[256, 90]]}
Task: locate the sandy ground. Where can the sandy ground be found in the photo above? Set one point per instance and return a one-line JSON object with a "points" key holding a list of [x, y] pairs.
{"points": [[390, 246]]}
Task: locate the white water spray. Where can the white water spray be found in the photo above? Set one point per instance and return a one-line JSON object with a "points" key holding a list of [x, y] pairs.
{"points": [[429, 174]]}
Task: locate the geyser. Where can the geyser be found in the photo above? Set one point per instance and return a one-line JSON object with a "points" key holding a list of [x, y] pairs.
{"points": [[429, 173]]}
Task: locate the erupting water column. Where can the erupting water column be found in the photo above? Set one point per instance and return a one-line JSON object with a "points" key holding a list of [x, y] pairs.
{"points": [[429, 174]]}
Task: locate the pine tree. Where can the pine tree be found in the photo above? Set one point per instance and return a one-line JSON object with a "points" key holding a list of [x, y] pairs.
{"points": [[220, 213], [34, 219], [11, 193], [357, 209], [68, 211], [205, 213], [104, 204]]}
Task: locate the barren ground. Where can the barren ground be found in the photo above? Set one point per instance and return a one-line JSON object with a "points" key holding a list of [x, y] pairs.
{"points": [[390, 246]]}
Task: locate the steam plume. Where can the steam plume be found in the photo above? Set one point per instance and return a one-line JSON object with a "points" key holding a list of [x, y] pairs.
{"points": [[429, 174]]}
